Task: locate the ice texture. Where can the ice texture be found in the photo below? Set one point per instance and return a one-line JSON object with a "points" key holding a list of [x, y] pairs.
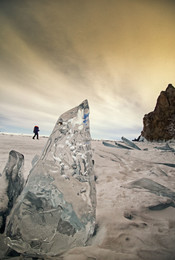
{"points": [[12, 183], [129, 143], [56, 210]]}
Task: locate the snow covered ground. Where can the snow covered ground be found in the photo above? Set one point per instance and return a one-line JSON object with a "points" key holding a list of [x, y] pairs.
{"points": [[135, 199], [23, 144]]}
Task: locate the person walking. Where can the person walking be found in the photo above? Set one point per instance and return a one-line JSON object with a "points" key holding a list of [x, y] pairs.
{"points": [[36, 130]]}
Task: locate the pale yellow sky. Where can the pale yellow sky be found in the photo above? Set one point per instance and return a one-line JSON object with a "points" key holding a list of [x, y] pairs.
{"points": [[54, 54]]}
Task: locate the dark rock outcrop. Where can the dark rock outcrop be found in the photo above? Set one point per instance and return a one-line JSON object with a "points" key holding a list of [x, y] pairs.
{"points": [[159, 125], [56, 210]]}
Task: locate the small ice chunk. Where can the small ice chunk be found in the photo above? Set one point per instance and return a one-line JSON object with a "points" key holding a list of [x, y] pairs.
{"points": [[83, 156], [80, 127], [83, 190], [65, 177], [74, 157], [72, 148], [56, 158]]}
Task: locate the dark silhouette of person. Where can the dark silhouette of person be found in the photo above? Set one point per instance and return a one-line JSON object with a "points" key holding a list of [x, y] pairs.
{"points": [[36, 130]]}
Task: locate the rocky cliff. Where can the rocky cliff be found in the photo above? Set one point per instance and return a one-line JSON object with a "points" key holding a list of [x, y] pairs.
{"points": [[159, 125]]}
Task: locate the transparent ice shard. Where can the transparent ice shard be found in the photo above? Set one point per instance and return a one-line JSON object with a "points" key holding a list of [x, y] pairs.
{"points": [[53, 214]]}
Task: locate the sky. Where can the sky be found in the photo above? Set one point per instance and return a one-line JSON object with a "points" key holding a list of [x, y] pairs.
{"points": [[118, 54]]}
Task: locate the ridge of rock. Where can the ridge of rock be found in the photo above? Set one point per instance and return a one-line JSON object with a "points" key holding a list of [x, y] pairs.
{"points": [[159, 125]]}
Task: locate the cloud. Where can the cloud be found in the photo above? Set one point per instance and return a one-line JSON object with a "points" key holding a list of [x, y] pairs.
{"points": [[54, 54]]}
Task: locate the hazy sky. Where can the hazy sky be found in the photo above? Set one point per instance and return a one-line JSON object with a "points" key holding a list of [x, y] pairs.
{"points": [[118, 54]]}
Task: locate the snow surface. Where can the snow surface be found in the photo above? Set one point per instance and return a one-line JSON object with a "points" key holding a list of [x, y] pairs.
{"points": [[127, 229]]}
